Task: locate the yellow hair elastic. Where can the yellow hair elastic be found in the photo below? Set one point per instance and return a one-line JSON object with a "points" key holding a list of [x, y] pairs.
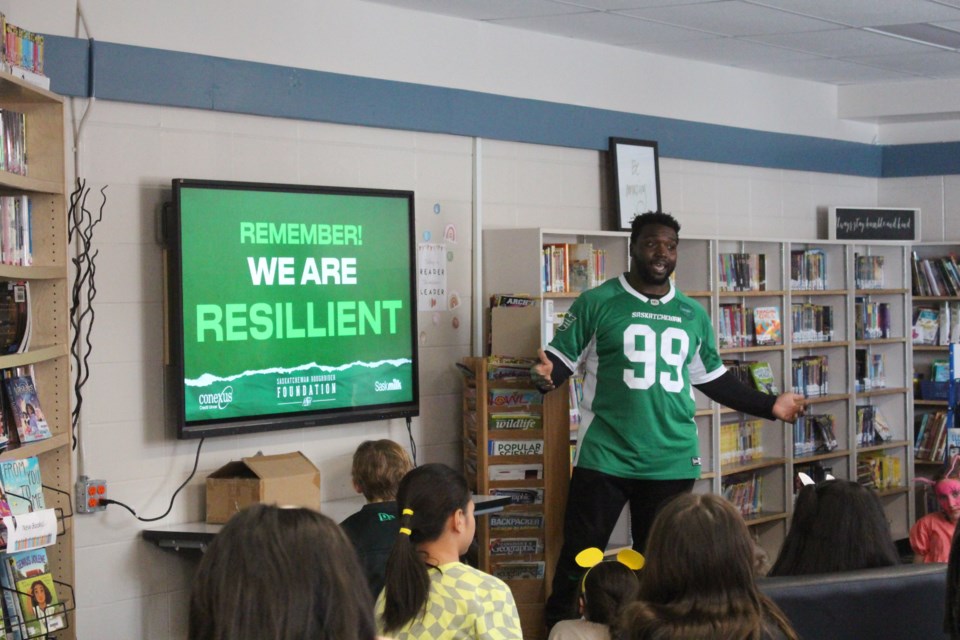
{"points": [[405, 531], [589, 558], [408, 512]]}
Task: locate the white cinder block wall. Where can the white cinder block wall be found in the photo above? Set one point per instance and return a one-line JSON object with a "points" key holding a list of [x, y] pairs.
{"points": [[128, 589]]}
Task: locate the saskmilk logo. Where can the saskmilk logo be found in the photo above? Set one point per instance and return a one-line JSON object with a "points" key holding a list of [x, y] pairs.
{"points": [[216, 401], [393, 385]]}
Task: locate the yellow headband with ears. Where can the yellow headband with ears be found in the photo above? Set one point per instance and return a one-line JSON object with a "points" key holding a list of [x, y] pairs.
{"points": [[589, 558]]}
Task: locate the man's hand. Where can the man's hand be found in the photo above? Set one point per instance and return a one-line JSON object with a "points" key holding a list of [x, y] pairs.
{"points": [[789, 406], [540, 372]]}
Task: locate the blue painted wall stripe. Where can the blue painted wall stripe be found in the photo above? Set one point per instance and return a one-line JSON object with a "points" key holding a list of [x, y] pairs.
{"points": [[155, 76]]}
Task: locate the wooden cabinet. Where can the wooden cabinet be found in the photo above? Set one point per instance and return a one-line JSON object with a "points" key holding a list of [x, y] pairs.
{"points": [[513, 263], [44, 184]]}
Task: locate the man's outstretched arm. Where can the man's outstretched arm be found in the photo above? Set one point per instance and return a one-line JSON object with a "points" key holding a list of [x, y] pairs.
{"points": [[729, 391]]}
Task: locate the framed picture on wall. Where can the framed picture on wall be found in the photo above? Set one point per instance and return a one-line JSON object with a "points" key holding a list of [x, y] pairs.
{"points": [[635, 169]]}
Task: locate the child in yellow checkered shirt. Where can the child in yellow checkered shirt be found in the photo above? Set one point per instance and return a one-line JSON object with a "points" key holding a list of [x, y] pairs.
{"points": [[429, 594]]}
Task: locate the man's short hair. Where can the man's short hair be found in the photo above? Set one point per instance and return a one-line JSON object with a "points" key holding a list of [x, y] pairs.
{"points": [[652, 217], [378, 467]]}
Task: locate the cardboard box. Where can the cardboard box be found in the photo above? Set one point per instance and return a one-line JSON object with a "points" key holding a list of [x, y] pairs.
{"points": [[515, 331], [284, 479]]}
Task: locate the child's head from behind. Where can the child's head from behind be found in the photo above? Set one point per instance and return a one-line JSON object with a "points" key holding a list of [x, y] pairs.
{"points": [[607, 588], [838, 525], [378, 467], [699, 546], [280, 574]]}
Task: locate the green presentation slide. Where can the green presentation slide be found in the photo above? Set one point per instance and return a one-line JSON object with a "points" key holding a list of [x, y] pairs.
{"points": [[294, 301]]}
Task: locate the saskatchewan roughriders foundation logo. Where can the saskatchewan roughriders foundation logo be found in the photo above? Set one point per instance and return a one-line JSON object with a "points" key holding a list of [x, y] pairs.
{"points": [[568, 320]]}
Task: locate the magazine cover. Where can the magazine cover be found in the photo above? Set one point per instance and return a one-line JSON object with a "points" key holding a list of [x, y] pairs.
{"points": [[25, 409]]}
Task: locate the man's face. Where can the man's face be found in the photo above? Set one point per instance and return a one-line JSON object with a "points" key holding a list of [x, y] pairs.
{"points": [[948, 495], [654, 254]]}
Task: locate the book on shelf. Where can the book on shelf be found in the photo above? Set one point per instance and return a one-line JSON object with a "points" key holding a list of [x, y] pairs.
{"points": [[28, 567], [505, 520], [872, 319], [514, 447], [22, 485], [580, 267], [14, 317], [810, 376], [25, 410], [556, 267], [767, 328], [868, 271], [811, 322], [814, 433], [926, 325], [742, 272], [42, 610], [808, 270], [761, 374], [735, 326]]}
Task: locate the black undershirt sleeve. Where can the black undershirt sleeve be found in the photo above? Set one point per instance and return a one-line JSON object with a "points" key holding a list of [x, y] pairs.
{"points": [[729, 391], [560, 371]]}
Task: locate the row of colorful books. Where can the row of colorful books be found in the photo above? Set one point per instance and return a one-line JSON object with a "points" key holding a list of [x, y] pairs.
{"points": [[741, 442], [868, 272], [871, 426], [742, 272], [879, 471], [15, 324], [935, 276], [814, 433], [757, 374], [869, 371], [739, 326], [933, 439], [811, 322], [572, 267], [16, 242], [936, 324], [13, 142], [745, 492], [809, 376], [872, 320], [21, 48], [808, 270]]}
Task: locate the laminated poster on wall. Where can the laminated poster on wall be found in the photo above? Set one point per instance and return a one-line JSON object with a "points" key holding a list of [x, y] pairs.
{"points": [[431, 277]]}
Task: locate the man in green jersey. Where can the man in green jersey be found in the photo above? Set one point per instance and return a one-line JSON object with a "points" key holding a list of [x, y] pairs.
{"points": [[643, 345]]}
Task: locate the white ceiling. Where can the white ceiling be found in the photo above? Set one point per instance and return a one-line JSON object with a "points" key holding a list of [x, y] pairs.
{"points": [[828, 41]]}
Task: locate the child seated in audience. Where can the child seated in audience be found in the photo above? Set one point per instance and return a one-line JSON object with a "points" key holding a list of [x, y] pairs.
{"points": [[932, 534], [429, 593], [838, 525], [698, 581], [606, 588], [277, 573], [378, 467]]}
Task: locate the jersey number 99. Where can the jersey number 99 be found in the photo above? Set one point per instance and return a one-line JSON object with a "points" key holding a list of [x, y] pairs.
{"points": [[674, 345]]}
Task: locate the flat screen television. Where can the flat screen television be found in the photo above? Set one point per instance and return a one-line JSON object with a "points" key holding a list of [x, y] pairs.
{"points": [[289, 306]]}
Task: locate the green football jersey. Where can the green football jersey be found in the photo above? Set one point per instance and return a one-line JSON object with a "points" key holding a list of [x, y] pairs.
{"points": [[640, 356]]}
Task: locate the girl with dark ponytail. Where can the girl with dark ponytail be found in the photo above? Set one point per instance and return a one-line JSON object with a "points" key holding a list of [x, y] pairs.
{"points": [[428, 592]]}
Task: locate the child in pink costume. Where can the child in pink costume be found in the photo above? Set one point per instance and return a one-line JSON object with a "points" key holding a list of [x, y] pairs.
{"points": [[930, 537]]}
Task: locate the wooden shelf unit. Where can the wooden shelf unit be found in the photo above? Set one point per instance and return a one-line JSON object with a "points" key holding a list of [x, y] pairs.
{"points": [[48, 277], [530, 594]]}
